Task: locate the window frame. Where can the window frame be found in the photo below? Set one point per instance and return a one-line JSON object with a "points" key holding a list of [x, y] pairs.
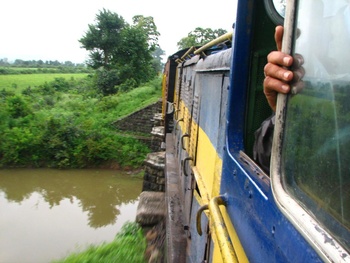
{"points": [[312, 231]]}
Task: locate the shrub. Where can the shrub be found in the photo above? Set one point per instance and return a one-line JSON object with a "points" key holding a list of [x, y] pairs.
{"points": [[128, 246], [128, 85], [18, 107], [107, 81]]}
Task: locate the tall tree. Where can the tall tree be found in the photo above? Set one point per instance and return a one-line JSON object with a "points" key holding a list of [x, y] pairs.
{"points": [[125, 49], [102, 38], [150, 29], [199, 37], [157, 59], [133, 57]]}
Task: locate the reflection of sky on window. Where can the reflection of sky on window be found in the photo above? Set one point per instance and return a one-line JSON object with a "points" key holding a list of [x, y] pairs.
{"points": [[324, 38]]}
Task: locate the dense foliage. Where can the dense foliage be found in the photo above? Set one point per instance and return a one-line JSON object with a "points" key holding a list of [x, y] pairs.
{"points": [[127, 50], [199, 37], [67, 123], [128, 246]]}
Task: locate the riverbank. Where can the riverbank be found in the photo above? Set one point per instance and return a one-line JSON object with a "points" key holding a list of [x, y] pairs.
{"points": [[68, 124], [128, 246]]}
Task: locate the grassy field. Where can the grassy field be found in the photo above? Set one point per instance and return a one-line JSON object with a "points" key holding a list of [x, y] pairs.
{"points": [[22, 81]]}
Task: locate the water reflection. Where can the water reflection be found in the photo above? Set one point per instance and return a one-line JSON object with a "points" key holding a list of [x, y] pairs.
{"points": [[99, 192], [47, 213]]}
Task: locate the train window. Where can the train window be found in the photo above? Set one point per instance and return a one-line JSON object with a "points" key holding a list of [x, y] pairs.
{"points": [[315, 157]]}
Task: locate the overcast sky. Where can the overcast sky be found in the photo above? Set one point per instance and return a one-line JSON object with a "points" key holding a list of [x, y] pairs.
{"points": [[50, 30]]}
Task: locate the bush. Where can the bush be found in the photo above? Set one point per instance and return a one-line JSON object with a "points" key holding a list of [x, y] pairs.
{"points": [[66, 124], [127, 85], [107, 81], [18, 107], [128, 246]]}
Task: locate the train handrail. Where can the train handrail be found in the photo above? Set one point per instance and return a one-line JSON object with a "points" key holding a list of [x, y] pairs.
{"points": [[218, 40], [187, 54], [184, 162], [176, 113], [177, 122], [182, 141], [217, 222], [198, 218], [227, 36]]}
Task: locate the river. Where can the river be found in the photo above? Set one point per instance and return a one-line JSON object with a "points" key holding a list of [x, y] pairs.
{"points": [[45, 214]]}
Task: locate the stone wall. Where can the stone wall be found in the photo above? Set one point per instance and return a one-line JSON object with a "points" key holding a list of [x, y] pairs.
{"points": [[154, 179], [143, 122], [140, 121], [148, 121], [151, 209]]}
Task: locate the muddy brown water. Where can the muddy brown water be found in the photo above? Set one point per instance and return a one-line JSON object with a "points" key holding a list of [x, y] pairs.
{"points": [[45, 214]]}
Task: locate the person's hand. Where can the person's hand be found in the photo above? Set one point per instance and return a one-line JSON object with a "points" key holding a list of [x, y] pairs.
{"points": [[277, 77]]}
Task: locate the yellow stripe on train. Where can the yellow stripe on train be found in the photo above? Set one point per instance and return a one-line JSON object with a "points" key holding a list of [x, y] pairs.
{"points": [[208, 174]]}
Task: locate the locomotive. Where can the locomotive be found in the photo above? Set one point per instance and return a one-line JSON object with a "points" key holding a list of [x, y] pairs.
{"points": [[222, 206]]}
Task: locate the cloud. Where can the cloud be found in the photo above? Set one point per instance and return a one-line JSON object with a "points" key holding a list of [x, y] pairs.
{"points": [[50, 30]]}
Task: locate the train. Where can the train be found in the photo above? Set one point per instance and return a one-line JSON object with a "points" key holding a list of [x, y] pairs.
{"points": [[222, 205]]}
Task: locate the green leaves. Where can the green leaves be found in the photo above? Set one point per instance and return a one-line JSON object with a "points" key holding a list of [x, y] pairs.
{"points": [[102, 38], [124, 49], [200, 36], [65, 124]]}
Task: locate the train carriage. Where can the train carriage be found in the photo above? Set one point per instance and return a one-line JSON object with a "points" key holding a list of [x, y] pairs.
{"points": [[226, 207]]}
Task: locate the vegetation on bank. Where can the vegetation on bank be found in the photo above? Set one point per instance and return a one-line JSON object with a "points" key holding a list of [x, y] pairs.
{"points": [[128, 246], [67, 123]]}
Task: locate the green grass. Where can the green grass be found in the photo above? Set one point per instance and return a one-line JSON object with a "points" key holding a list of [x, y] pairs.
{"points": [[128, 247], [137, 99], [68, 123], [17, 83]]}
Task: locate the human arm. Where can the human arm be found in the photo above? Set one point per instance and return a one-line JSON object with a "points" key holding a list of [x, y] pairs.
{"points": [[277, 76]]}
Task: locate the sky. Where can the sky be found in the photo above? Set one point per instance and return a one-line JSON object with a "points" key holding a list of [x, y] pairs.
{"points": [[50, 30]]}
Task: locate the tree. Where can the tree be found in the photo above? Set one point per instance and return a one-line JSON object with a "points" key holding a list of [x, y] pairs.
{"points": [[125, 49], [103, 38], [199, 37], [106, 81], [157, 63], [149, 27], [133, 57]]}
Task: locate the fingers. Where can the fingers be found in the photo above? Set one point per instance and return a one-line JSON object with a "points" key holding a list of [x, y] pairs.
{"points": [[298, 61], [276, 66], [272, 87], [277, 76], [278, 37], [279, 58], [298, 74]]}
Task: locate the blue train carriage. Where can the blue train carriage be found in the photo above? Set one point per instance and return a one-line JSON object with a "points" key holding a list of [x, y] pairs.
{"points": [[222, 206]]}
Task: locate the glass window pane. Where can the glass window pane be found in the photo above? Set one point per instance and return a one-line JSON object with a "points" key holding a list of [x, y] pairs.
{"points": [[316, 150]]}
